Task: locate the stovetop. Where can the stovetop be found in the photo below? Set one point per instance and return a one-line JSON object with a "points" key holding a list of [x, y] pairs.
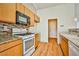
{"points": [[23, 36]]}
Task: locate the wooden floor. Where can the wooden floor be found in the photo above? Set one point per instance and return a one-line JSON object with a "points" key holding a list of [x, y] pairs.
{"points": [[48, 49]]}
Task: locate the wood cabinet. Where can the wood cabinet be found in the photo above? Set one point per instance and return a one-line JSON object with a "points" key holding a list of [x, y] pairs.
{"points": [[37, 39], [31, 18], [14, 51], [8, 12], [27, 11], [13, 48], [64, 46], [37, 19], [20, 7]]}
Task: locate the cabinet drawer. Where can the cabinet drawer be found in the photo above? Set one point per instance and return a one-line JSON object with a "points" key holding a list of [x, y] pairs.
{"points": [[8, 45], [14, 51]]}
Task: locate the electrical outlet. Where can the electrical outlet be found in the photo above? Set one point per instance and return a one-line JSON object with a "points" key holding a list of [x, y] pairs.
{"points": [[61, 25]]}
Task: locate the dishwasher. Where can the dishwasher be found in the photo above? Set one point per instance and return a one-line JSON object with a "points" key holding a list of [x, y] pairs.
{"points": [[73, 49]]}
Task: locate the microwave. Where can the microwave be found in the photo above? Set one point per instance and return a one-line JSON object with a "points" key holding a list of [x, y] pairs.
{"points": [[22, 18]]}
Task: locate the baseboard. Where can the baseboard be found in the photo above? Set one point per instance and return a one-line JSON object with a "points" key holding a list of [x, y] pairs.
{"points": [[52, 38]]}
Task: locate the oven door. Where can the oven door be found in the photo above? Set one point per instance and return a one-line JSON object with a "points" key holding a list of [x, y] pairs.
{"points": [[28, 45]]}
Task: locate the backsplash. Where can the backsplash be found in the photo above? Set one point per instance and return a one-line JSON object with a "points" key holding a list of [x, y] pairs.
{"points": [[5, 27], [74, 31], [32, 29]]}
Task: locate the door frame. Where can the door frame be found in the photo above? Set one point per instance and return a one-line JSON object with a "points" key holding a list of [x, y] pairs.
{"points": [[56, 26]]}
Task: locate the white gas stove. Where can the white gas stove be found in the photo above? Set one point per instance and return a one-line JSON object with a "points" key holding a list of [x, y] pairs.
{"points": [[28, 42]]}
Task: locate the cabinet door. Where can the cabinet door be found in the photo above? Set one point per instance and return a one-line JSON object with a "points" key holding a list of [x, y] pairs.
{"points": [[37, 38], [64, 46], [31, 18], [8, 12], [37, 19], [21, 8], [14, 51], [27, 11], [8, 45]]}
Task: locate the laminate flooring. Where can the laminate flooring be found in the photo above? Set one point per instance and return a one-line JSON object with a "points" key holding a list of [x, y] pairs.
{"points": [[48, 49]]}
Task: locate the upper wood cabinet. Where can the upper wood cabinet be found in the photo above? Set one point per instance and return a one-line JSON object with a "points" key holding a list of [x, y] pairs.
{"points": [[8, 12], [27, 11], [37, 19], [24, 9], [20, 7], [31, 18]]}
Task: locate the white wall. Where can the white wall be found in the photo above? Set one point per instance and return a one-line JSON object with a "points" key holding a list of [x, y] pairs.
{"points": [[78, 15], [77, 10], [65, 15]]}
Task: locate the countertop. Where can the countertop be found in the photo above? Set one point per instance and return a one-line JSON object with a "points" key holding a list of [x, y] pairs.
{"points": [[5, 39], [8, 38], [73, 38]]}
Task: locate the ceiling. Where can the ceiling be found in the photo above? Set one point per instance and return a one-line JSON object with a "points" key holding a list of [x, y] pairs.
{"points": [[44, 5]]}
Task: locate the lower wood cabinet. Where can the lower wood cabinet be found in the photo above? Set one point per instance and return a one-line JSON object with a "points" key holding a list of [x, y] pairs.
{"points": [[14, 51], [64, 46], [37, 38], [13, 48]]}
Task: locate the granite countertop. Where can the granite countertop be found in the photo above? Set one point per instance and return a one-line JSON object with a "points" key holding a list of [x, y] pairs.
{"points": [[5, 39], [71, 37], [8, 38]]}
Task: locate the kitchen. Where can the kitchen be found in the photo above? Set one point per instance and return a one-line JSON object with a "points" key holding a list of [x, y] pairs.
{"points": [[22, 28], [16, 19]]}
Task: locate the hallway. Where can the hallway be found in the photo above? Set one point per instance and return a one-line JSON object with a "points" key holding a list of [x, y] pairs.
{"points": [[48, 49]]}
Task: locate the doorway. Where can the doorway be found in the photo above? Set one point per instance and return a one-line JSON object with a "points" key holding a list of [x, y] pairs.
{"points": [[52, 28]]}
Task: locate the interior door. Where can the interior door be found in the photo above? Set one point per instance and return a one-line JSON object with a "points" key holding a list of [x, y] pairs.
{"points": [[52, 28]]}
